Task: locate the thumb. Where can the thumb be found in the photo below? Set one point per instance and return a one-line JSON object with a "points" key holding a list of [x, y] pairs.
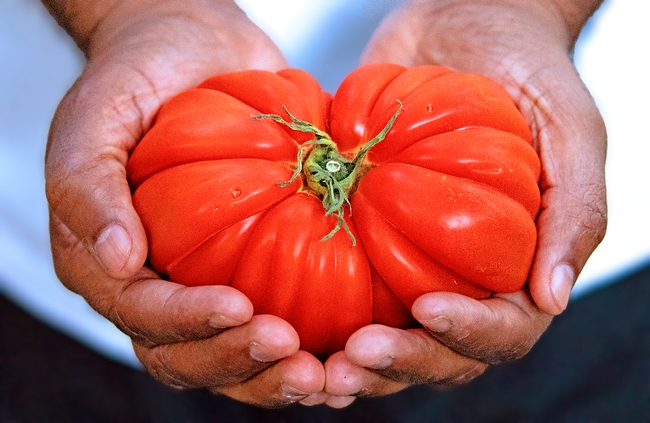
{"points": [[571, 141], [86, 183]]}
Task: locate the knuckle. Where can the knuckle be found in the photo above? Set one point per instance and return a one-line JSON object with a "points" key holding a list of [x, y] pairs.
{"points": [[594, 211], [438, 376], [589, 221], [126, 311], [466, 376], [594, 207], [58, 189], [281, 401], [253, 395], [405, 377], [136, 335], [158, 362], [394, 381], [75, 183], [511, 353], [509, 350]]}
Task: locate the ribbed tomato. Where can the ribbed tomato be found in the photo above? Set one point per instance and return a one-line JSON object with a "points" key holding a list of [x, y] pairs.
{"points": [[444, 200]]}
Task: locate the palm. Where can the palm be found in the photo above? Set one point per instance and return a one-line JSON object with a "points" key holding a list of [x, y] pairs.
{"points": [[186, 337], [532, 62], [525, 50]]}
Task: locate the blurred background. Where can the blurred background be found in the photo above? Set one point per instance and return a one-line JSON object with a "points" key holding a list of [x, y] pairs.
{"points": [[38, 62]]}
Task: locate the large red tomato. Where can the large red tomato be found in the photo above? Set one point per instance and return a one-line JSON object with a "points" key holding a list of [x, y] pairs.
{"points": [[446, 202]]}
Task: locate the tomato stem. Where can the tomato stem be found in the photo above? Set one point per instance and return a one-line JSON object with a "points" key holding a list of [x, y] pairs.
{"points": [[326, 171]]}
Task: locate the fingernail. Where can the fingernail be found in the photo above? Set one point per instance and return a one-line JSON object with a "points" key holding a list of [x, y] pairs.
{"points": [[220, 321], [384, 363], [561, 284], [113, 247], [438, 324], [292, 394], [261, 353], [340, 402], [314, 399]]}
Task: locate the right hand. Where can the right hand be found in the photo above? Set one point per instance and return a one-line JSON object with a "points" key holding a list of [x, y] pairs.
{"points": [[140, 54]]}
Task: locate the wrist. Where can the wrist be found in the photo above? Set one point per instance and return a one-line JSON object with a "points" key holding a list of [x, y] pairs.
{"points": [[79, 18], [557, 20], [94, 25], [575, 13]]}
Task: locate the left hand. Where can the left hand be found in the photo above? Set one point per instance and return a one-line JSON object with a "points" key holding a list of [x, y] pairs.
{"points": [[460, 338], [525, 47]]}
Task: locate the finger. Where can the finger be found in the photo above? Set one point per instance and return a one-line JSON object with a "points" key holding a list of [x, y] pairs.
{"points": [[231, 357], [315, 399], [339, 402], [345, 380], [499, 329], [149, 310], [571, 141], [86, 186], [175, 313], [380, 360], [295, 378], [325, 397], [333, 401]]}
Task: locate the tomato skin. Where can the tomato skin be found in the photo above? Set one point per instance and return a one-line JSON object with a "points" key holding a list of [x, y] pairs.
{"points": [[262, 89], [448, 204], [387, 308], [407, 82], [461, 153], [360, 90], [447, 103], [441, 215], [215, 261], [190, 117], [404, 266], [285, 258], [185, 205]]}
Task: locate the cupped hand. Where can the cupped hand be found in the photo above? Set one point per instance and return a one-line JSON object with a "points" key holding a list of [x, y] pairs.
{"points": [[526, 47], [140, 53]]}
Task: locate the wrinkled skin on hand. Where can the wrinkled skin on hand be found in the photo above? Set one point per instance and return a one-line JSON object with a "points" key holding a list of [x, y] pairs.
{"points": [[139, 55], [525, 46]]}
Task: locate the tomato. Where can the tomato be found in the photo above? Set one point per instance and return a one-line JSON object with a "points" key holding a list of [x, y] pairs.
{"points": [[337, 212]]}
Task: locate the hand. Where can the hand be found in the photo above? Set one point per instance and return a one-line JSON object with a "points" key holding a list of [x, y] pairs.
{"points": [[140, 53], [525, 46]]}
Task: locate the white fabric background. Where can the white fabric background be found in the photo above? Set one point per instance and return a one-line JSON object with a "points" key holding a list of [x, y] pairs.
{"points": [[38, 62]]}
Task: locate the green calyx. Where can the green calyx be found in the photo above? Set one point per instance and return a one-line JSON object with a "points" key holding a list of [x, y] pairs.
{"points": [[326, 171]]}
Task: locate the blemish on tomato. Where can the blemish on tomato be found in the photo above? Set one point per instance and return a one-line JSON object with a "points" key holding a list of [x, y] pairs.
{"points": [[235, 192]]}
